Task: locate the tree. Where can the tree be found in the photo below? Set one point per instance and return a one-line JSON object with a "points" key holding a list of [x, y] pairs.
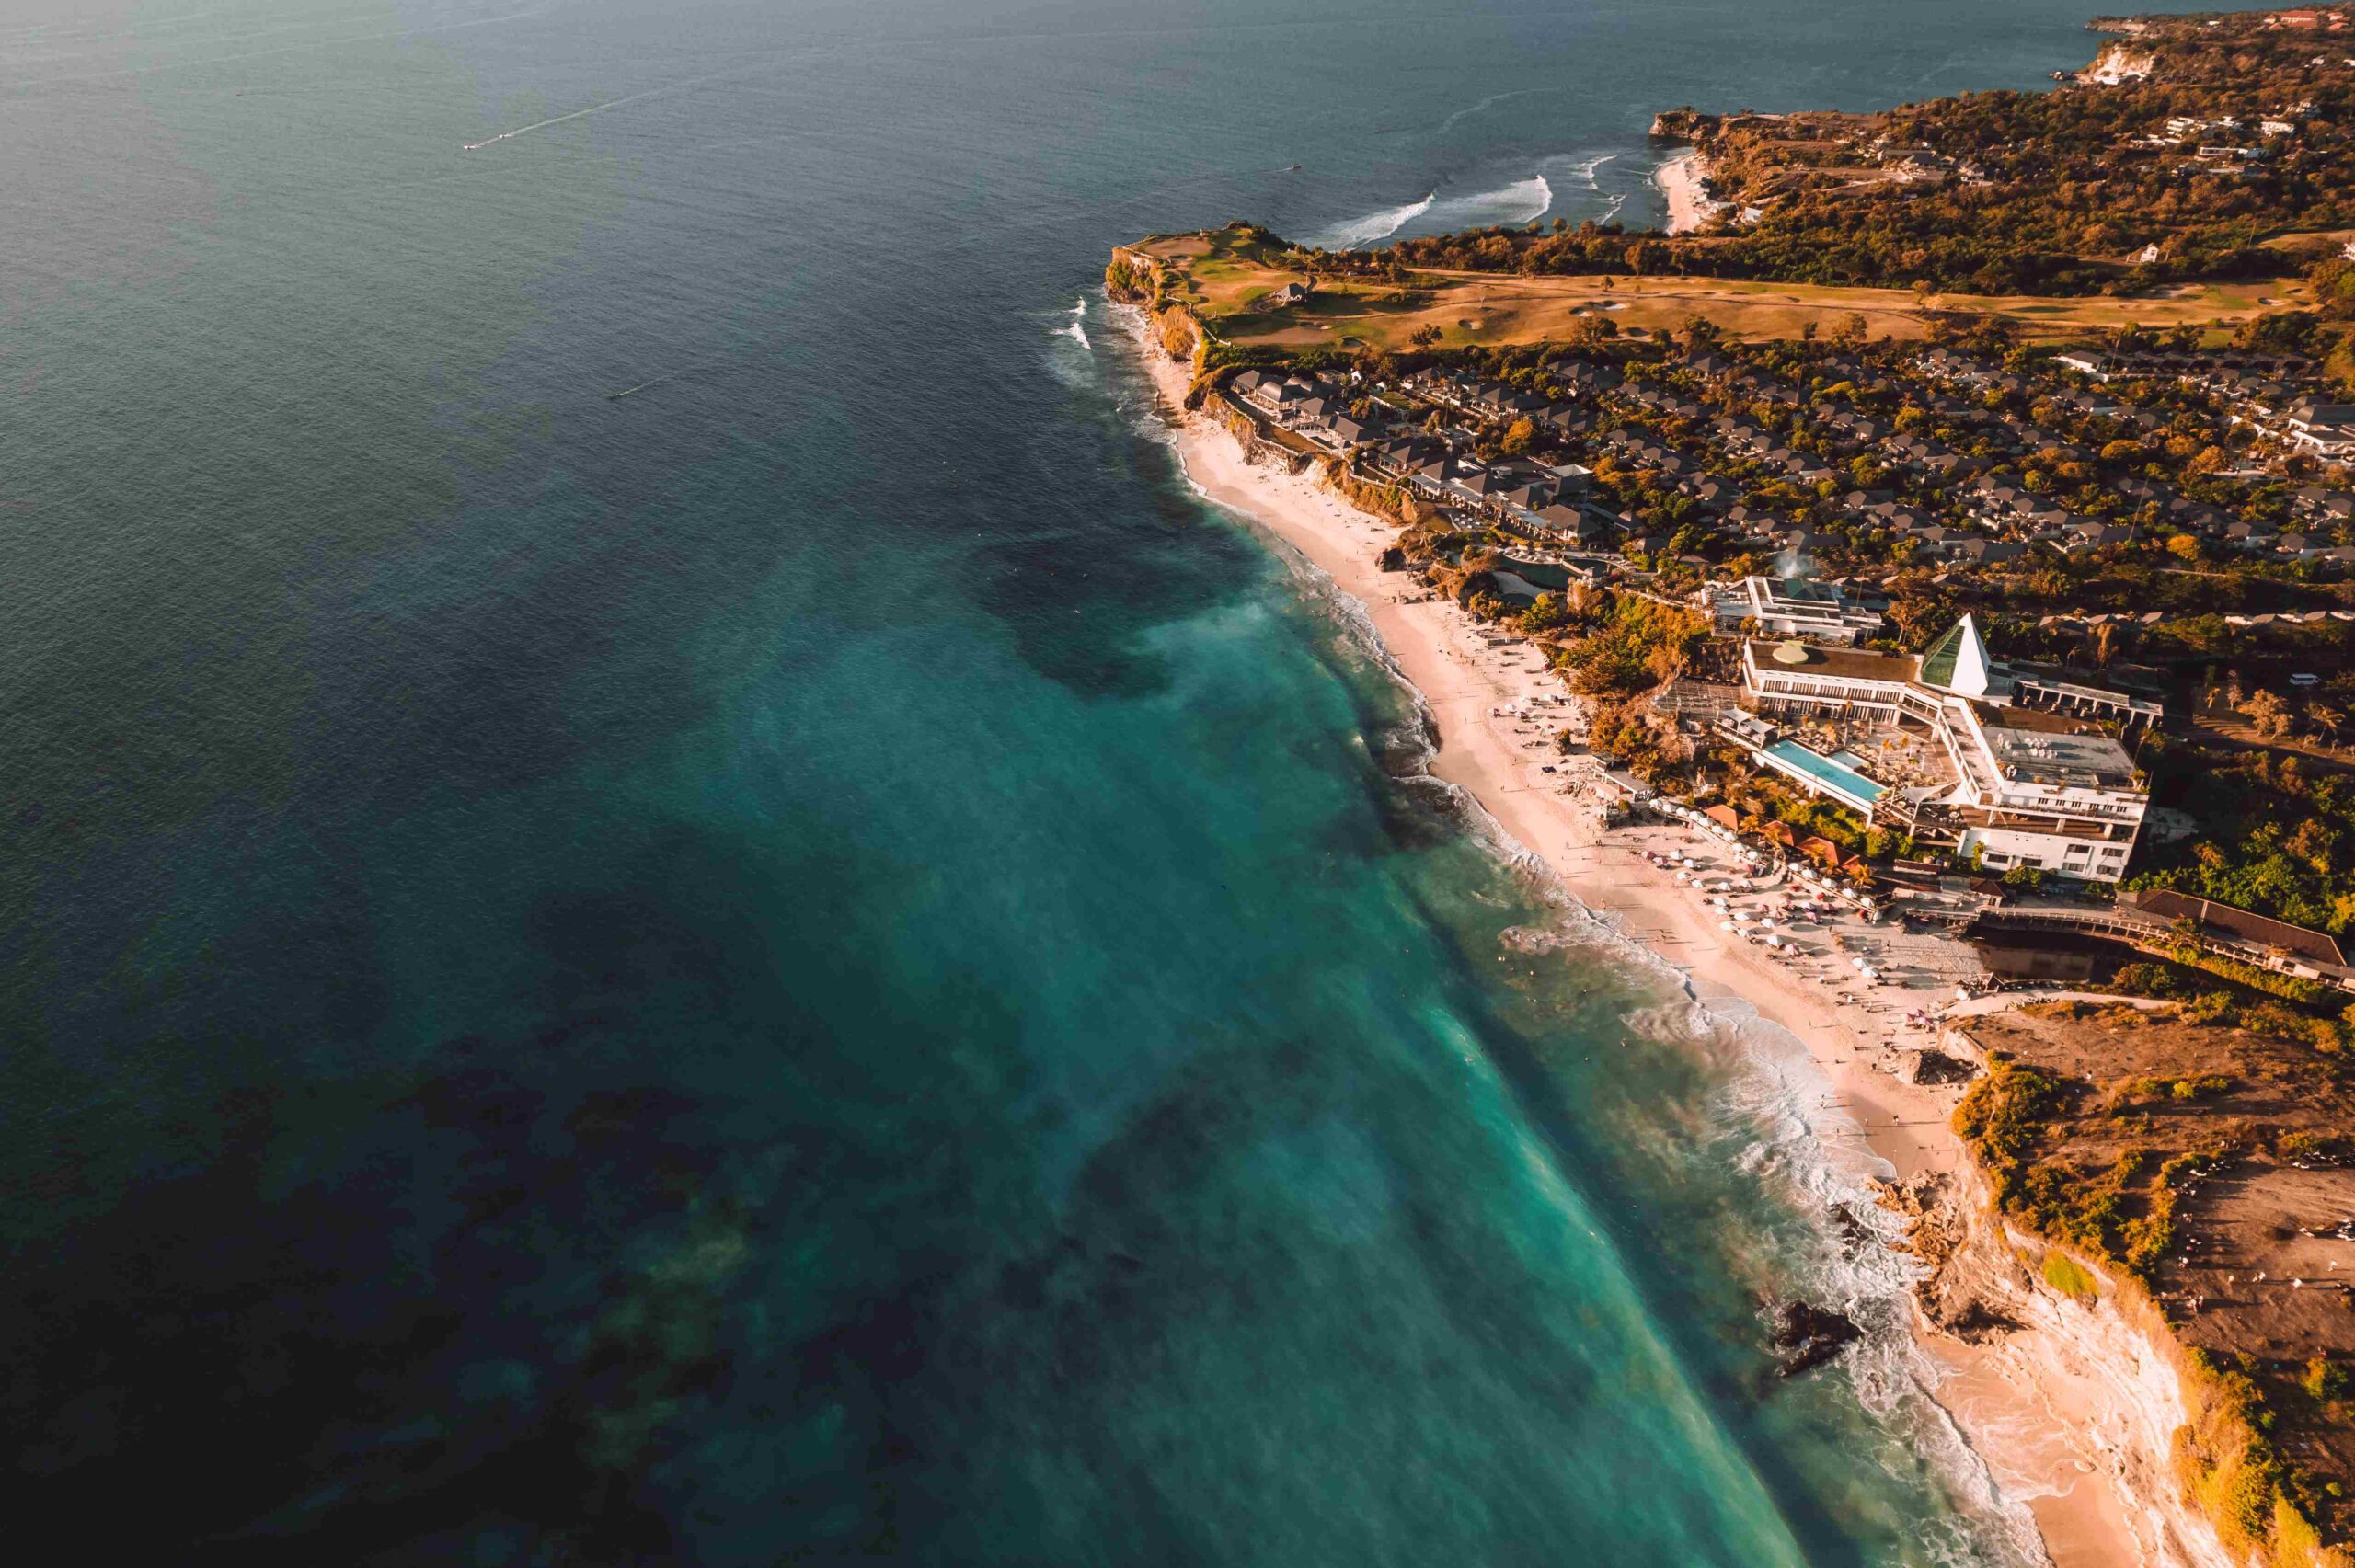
{"points": [[1590, 332], [1424, 337], [2268, 715], [1518, 435]]}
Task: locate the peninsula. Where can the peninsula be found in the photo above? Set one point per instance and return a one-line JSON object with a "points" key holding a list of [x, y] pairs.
{"points": [[1918, 597]]}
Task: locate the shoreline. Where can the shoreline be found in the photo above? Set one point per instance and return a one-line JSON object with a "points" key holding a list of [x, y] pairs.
{"points": [[1680, 181], [2062, 1413]]}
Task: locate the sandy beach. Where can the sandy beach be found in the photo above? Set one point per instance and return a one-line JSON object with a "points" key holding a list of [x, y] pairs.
{"points": [[1689, 205], [2064, 1412]]}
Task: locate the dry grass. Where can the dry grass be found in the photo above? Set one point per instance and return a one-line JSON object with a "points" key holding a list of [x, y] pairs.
{"points": [[1229, 283]]}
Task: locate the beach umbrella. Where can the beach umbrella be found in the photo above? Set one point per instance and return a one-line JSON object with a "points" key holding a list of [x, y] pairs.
{"points": [[1774, 941], [1725, 925]]}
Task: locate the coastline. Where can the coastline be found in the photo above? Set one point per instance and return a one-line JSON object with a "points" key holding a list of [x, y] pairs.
{"points": [[1680, 181], [2065, 1411]]}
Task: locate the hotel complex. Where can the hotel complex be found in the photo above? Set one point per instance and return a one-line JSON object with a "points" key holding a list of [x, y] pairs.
{"points": [[2037, 779]]}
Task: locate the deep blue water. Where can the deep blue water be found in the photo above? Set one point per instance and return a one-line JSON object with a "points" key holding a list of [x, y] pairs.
{"points": [[817, 961]]}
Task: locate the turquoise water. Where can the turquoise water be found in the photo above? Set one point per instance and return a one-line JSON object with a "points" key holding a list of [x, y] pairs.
{"points": [[1831, 772], [817, 961]]}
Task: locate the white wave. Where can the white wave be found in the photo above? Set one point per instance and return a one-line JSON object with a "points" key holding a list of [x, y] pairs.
{"points": [[1618, 204], [1077, 329], [1374, 225], [1583, 171], [1523, 201]]}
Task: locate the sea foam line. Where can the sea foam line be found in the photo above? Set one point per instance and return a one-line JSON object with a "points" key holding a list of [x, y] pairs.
{"points": [[1523, 201], [1585, 171], [1375, 225], [1487, 103]]}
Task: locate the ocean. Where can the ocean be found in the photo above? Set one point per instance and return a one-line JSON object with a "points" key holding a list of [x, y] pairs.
{"points": [[669, 899]]}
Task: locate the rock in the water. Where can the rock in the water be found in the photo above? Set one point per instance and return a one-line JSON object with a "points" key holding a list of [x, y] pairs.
{"points": [[1809, 1335]]}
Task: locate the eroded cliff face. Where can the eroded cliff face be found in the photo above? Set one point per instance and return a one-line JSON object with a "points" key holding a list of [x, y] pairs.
{"points": [[1973, 1279], [2101, 1371], [2119, 62]]}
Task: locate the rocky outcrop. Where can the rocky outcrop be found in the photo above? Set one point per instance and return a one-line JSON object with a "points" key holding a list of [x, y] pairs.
{"points": [[2128, 1405], [1969, 1274], [1930, 1065], [2117, 63], [1806, 1336]]}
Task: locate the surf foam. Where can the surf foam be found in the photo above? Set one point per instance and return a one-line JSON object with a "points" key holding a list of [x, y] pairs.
{"points": [[1374, 225], [1523, 201]]}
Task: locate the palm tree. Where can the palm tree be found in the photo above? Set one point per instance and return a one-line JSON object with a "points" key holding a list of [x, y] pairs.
{"points": [[2328, 719]]}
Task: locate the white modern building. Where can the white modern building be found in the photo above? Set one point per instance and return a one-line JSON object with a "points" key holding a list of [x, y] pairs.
{"points": [[1794, 607], [2036, 782]]}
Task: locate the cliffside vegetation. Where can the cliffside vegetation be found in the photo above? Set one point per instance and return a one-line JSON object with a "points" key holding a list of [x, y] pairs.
{"points": [[2164, 1147]]}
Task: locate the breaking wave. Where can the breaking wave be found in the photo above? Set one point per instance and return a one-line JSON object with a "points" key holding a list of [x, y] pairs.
{"points": [[1521, 202], [1583, 170], [1374, 225]]}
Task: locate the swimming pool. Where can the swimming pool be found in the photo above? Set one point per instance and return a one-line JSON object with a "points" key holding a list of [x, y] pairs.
{"points": [[1822, 774]]}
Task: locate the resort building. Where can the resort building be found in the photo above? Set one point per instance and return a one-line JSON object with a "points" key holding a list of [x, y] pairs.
{"points": [[2035, 781], [1794, 607]]}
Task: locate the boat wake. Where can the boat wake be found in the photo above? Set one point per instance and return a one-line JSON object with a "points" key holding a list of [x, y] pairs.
{"points": [[592, 109], [653, 381]]}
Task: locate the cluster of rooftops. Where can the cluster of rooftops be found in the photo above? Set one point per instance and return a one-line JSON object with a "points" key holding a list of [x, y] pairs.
{"points": [[1964, 507]]}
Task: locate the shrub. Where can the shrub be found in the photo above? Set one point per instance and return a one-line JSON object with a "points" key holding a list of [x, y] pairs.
{"points": [[2005, 1111], [2144, 980], [2061, 1271]]}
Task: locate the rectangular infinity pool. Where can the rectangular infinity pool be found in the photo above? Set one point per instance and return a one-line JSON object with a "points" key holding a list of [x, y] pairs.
{"points": [[1814, 768]]}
